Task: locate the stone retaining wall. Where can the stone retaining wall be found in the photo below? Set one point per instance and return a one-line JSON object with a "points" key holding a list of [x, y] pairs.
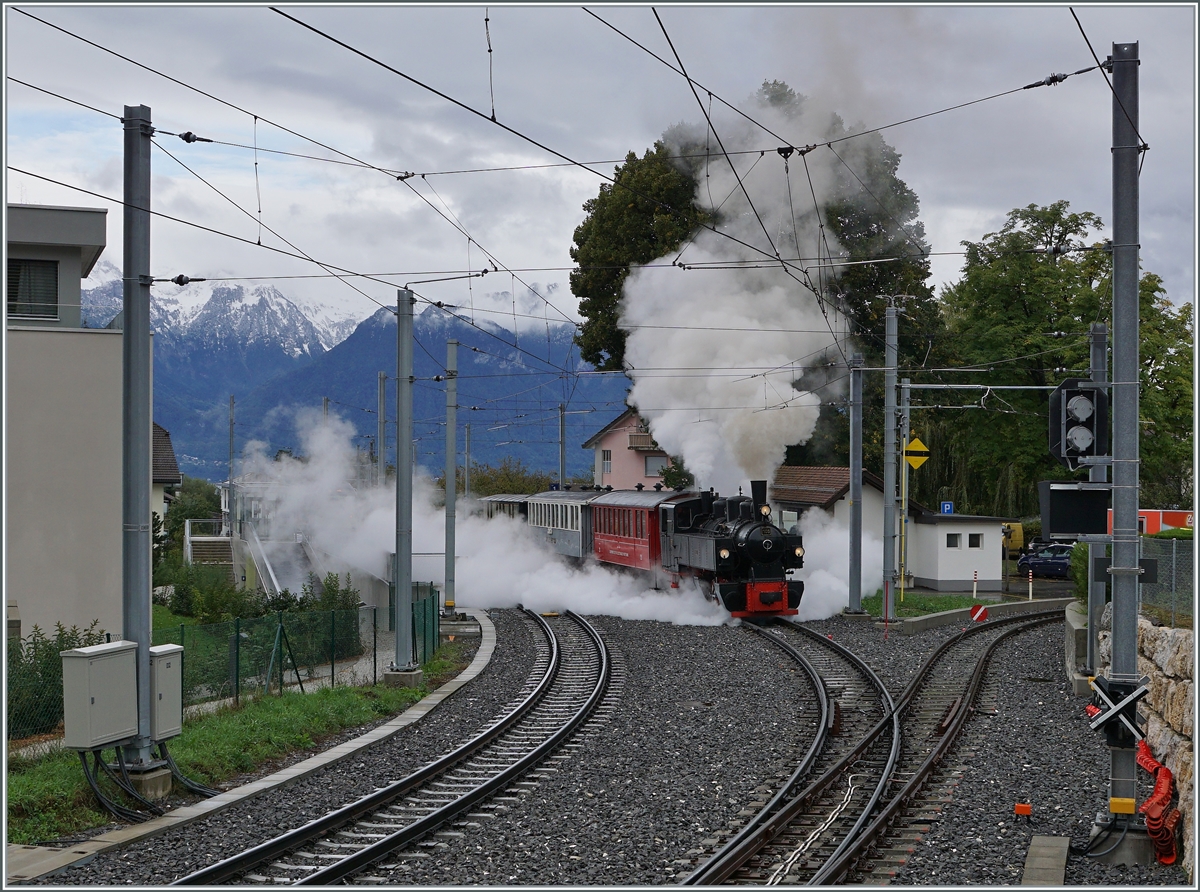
{"points": [[1166, 656]]}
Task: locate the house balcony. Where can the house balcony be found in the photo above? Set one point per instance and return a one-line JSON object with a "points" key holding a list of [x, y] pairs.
{"points": [[643, 442]]}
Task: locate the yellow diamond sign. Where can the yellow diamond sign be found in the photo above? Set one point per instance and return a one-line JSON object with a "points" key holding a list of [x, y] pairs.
{"points": [[916, 453]]}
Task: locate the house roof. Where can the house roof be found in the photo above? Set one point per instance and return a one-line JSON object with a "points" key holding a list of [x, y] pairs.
{"points": [[164, 467], [618, 422], [820, 485]]}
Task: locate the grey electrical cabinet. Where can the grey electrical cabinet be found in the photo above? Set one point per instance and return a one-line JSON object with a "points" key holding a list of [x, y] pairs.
{"points": [[166, 691], [99, 694]]}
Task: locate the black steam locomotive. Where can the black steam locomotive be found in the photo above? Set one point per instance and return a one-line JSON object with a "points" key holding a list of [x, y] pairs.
{"points": [[731, 545]]}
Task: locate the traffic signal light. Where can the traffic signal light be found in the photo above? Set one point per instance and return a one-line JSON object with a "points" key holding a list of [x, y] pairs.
{"points": [[1078, 421]]}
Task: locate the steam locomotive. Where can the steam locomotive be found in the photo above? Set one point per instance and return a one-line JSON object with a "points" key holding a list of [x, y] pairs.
{"points": [[728, 545]]}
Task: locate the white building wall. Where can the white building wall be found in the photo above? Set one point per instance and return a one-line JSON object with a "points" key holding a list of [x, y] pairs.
{"points": [[63, 420], [953, 569]]}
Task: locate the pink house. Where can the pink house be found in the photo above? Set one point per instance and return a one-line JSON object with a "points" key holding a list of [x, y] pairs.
{"points": [[626, 454]]}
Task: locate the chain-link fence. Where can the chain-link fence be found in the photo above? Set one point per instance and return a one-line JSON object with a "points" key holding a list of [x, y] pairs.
{"points": [[1169, 599], [264, 654], [223, 662]]}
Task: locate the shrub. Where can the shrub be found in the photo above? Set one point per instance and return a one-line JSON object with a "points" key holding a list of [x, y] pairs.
{"points": [[328, 594], [35, 704]]}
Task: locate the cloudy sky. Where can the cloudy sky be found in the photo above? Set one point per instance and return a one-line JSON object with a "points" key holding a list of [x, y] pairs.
{"points": [[561, 77]]}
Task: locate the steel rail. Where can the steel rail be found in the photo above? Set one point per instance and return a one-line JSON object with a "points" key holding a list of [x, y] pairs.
{"points": [[420, 828], [730, 856], [840, 863], [238, 864], [731, 860]]}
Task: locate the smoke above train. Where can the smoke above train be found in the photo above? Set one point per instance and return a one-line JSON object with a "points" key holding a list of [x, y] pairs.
{"points": [[722, 346]]}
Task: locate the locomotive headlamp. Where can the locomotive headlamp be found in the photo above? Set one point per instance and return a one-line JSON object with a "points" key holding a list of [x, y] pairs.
{"points": [[723, 554], [764, 510], [799, 551]]}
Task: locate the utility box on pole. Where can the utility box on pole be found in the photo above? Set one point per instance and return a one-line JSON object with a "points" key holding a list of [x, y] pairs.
{"points": [[99, 694], [166, 691]]}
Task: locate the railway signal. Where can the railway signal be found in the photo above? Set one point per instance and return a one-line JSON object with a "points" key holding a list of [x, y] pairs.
{"points": [[1078, 422]]}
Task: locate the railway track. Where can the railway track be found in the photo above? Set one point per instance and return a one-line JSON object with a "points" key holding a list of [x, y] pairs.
{"points": [[856, 819], [369, 840]]}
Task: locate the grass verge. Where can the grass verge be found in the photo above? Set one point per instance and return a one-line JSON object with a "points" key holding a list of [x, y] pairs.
{"points": [[48, 798], [918, 605]]}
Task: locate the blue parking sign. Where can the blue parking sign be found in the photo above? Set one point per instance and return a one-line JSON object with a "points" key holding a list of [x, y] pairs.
{"points": [[947, 507]]}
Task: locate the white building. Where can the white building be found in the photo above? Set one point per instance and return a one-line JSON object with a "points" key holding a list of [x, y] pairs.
{"points": [[944, 551], [63, 420]]}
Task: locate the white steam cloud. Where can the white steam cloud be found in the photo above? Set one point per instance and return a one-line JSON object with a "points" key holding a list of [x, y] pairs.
{"points": [[500, 563], [826, 570], [717, 356]]}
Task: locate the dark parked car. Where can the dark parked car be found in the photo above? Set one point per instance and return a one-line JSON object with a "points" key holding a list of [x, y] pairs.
{"points": [[1046, 560]]}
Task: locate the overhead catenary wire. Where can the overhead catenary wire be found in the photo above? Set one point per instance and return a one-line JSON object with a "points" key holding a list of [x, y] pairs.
{"points": [[403, 177], [258, 242], [531, 140], [1143, 147], [716, 135], [62, 97], [283, 252]]}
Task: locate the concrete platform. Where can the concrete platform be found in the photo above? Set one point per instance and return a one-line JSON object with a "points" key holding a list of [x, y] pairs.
{"points": [[1046, 861], [25, 863]]}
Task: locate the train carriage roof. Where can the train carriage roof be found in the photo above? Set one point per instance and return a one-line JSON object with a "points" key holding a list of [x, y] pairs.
{"points": [[506, 498], [570, 496], [632, 498]]}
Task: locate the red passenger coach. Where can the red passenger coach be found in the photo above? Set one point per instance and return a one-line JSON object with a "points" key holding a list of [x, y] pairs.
{"points": [[625, 528]]}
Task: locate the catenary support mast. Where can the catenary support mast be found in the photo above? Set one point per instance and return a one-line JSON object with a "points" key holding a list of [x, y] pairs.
{"points": [[136, 439], [1126, 153]]}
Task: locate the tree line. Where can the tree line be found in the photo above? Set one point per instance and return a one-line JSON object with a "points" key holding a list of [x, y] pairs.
{"points": [[1020, 311]]}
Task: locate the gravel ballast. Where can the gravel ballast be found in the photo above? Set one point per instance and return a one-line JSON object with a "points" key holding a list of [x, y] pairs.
{"points": [[708, 721]]}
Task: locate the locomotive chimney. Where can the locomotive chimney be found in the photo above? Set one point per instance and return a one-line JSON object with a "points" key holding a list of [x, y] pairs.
{"points": [[758, 489]]}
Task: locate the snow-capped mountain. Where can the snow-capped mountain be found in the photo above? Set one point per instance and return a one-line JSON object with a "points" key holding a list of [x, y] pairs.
{"points": [[213, 340], [256, 312]]}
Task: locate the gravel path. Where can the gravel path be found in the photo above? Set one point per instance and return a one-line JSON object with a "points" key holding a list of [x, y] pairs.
{"points": [[709, 718]]}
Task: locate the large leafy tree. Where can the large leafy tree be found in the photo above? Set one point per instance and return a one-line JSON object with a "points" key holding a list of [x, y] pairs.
{"points": [[650, 211], [646, 212], [1021, 313]]}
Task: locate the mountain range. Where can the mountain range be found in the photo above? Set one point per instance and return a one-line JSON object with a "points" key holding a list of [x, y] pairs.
{"points": [[277, 358]]}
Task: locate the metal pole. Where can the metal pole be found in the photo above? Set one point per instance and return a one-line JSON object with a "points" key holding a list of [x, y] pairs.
{"points": [[905, 412], [1174, 544], [889, 464], [467, 464], [1098, 337], [451, 465], [856, 407], [237, 660], [404, 470], [136, 393], [380, 430], [230, 497], [325, 409], [1124, 568], [562, 446]]}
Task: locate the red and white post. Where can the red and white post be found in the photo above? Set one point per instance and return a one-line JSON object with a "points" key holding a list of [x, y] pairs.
{"points": [[1030, 585], [975, 584]]}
